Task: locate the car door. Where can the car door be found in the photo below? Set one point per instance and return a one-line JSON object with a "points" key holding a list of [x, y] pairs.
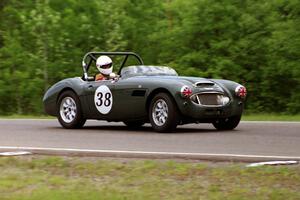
{"points": [[115, 100], [100, 99], [131, 99]]}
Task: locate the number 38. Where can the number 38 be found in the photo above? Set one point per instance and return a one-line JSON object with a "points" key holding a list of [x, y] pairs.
{"points": [[103, 99]]}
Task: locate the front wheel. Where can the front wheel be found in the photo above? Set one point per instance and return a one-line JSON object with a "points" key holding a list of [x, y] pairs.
{"points": [[69, 111], [163, 113], [227, 123]]}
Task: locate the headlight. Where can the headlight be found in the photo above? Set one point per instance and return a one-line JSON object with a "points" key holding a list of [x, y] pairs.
{"points": [[185, 91], [241, 91]]}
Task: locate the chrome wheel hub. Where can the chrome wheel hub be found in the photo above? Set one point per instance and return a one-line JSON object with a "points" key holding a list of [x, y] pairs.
{"points": [[160, 112], [68, 109]]}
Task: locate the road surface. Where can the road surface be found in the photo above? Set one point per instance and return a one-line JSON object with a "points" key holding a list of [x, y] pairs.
{"points": [[269, 140]]}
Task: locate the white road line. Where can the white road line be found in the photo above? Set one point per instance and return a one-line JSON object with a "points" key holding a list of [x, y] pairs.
{"points": [[26, 119], [151, 153], [15, 153]]}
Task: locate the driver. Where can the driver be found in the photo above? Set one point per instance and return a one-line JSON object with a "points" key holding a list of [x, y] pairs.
{"points": [[105, 66]]}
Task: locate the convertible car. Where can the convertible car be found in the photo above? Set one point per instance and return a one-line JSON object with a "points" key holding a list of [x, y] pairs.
{"points": [[140, 93]]}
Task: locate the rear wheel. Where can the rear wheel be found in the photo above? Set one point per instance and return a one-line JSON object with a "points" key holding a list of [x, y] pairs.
{"points": [[227, 123], [163, 113], [69, 110]]}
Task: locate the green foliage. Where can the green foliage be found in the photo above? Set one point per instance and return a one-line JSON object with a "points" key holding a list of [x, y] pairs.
{"points": [[255, 43]]}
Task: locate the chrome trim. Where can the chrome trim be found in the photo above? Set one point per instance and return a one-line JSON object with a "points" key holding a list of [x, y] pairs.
{"points": [[198, 99]]}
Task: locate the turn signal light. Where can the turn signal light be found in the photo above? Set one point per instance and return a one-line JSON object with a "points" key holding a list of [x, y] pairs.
{"points": [[241, 91], [186, 91]]}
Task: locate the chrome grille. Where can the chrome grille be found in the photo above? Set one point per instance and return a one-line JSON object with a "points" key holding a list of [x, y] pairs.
{"points": [[210, 99]]}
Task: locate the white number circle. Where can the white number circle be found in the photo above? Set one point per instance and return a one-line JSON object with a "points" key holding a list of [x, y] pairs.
{"points": [[103, 99]]}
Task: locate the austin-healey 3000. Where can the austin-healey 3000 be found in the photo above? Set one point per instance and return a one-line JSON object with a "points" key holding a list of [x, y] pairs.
{"points": [[140, 94]]}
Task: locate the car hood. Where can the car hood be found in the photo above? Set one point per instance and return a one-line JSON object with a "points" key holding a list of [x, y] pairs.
{"points": [[186, 79], [194, 80], [198, 83]]}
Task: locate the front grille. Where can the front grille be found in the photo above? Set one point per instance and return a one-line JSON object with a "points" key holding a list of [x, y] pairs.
{"points": [[210, 99]]}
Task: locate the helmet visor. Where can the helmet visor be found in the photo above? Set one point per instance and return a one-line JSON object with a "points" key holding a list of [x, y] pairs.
{"points": [[106, 66]]}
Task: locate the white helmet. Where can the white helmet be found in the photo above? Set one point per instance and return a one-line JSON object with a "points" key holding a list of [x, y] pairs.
{"points": [[104, 65]]}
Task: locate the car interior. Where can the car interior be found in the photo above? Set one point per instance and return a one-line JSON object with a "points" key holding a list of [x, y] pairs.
{"points": [[120, 60]]}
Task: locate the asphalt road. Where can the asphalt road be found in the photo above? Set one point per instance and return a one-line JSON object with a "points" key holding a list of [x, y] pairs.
{"points": [[249, 138]]}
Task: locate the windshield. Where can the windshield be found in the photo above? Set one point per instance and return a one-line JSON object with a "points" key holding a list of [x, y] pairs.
{"points": [[143, 70]]}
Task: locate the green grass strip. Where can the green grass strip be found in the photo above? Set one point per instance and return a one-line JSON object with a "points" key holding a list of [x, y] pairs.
{"points": [[53, 178], [270, 117]]}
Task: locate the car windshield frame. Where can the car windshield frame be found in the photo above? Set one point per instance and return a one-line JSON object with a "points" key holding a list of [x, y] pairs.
{"points": [[147, 70]]}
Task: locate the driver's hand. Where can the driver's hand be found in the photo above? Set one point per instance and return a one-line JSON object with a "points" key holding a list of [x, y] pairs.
{"points": [[113, 76]]}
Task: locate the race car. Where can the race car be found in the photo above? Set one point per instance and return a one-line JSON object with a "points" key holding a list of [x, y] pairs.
{"points": [[141, 94]]}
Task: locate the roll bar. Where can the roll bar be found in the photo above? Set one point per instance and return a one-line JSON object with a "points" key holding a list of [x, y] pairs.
{"points": [[95, 55]]}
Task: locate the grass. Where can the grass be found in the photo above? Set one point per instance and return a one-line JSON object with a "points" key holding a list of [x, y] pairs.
{"points": [[270, 117], [53, 178]]}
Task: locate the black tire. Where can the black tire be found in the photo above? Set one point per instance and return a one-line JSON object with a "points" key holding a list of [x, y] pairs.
{"points": [[134, 124], [76, 119], [171, 117], [227, 123]]}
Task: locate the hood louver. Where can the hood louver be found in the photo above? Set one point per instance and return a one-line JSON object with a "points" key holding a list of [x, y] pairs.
{"points": [[204, 84]]}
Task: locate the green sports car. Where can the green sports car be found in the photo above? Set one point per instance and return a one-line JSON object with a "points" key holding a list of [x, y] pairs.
{"points": [[144, 93]]}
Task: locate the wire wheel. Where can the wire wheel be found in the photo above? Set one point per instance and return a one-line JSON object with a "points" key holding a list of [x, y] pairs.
{"points": [[69, 112], [68, 109], [163, 113], [160, 112]]}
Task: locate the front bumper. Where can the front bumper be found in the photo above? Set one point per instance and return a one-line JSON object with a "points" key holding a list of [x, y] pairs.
{"points": [[198, 112]]}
